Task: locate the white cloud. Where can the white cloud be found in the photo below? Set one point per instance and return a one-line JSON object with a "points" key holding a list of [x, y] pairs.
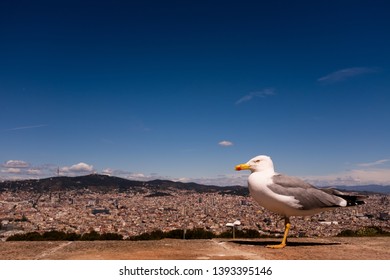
{"points": [[12, 170], [380, 176], [34, 171], [129, 175], [16, 164], [376, 172], [347, 178], [222, 180], [365, 174], [138, 176], [375, 176], [344, 74], [77, 168], [19, 169], [107, 171], [263, 93], [225, 143]]}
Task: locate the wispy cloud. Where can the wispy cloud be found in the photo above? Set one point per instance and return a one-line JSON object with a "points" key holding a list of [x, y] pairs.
{"points": [[12, 170], [16, 164], [20, 169], [225, 143], [256, 94], [345, 74], [380, 176], [26, 127], [34, 171], [364, 174], [133, 175], [76, 169], [375, 163]]}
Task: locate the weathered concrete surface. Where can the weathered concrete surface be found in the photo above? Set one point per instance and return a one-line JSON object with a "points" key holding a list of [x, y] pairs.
{"points": [[334, 248]]}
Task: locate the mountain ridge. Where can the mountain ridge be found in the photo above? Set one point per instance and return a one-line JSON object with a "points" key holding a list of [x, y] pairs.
{"points": [[107, 183]]}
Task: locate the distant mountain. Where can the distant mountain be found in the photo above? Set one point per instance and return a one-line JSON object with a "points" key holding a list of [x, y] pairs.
{"points": [[366, 188], [104, 183], [93, 181]]}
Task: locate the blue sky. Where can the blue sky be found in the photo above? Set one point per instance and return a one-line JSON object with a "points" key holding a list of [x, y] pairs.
{"points": [[185, 90]]}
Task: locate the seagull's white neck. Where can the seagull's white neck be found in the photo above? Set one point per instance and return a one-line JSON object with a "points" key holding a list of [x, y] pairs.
{"points": [[268, 172], [259, 179]]}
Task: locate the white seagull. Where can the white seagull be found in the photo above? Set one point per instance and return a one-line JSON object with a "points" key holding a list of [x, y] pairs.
{"points": [[290, 196]]}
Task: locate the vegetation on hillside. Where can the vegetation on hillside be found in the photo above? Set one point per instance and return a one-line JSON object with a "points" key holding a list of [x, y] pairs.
{"points": [[196, 233], [63, 236], [365, 231]]}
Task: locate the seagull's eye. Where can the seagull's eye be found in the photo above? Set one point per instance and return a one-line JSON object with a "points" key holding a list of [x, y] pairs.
{"points": [[257, 161]]}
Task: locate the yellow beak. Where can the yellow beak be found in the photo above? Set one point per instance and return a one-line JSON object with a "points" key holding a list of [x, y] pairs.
{"points": [[243, 166]]}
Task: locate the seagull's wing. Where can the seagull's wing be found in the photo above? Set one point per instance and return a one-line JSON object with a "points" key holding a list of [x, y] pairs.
{"points": [[351, 198], [308, 196]]}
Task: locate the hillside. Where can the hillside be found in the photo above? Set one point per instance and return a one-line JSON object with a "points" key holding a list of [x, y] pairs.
{"points": [[366, 188], [104, 183]]}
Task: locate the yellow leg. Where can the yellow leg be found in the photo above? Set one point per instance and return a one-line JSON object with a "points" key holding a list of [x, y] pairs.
{"points": [[284, 240]]}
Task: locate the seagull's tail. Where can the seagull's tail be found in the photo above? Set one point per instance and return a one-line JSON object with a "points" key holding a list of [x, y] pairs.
{"points": [[351, 198]]}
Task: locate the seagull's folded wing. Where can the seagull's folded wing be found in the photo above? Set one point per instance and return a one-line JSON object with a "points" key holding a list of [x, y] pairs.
{"points": [[308, 196]]}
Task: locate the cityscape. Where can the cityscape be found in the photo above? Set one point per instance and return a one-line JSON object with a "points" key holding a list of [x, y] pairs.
{"points": [[142, 209]]}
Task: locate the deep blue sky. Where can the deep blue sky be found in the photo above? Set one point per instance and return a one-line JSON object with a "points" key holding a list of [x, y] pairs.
{"points": [[151, 89]]}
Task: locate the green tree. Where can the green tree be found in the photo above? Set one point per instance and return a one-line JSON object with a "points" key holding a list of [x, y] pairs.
{"points": [[90, 236], [175, 234], [199, 233], [111, 236], [54, 235]]}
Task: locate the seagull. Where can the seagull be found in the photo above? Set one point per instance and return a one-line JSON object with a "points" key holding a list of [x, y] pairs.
{"points": [[290, 196]]}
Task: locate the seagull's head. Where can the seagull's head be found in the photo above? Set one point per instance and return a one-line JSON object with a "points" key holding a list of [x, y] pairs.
{"points": [[257, 164]]}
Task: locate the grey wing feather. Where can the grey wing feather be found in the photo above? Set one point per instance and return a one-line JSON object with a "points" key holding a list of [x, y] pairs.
{"points": [[351, 198], [308, 196]]}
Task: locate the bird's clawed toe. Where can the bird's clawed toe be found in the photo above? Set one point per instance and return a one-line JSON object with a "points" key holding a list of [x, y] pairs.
{"points": [[279, 246]]}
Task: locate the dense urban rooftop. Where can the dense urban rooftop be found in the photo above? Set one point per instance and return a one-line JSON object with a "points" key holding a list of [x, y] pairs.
{"points": [[164, 206]]}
